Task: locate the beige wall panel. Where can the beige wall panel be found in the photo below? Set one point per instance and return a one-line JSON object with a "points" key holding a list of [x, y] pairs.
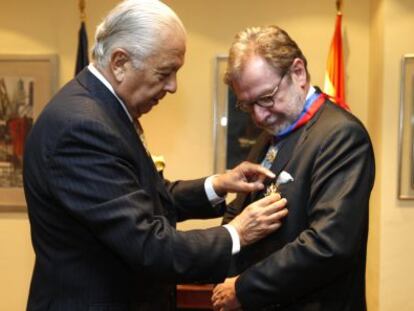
{"points": [[397, 217], [181, 127]]}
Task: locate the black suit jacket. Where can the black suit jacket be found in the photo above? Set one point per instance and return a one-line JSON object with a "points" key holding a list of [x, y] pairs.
{"points": [[102, 220], [316, 261]]}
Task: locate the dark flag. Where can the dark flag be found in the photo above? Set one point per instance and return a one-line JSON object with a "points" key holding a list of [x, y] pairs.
{"points": [[82, 59]]}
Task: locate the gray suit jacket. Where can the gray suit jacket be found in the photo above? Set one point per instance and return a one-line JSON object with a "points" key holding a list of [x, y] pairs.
{"points": [[316, 261], [102, 219]]}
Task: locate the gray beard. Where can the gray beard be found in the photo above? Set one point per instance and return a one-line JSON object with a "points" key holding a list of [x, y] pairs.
{"points": [[294, 109]]}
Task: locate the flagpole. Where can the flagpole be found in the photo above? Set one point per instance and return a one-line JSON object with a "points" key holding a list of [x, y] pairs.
{"points": [[82, 56], [82, 6], [339, 7]]}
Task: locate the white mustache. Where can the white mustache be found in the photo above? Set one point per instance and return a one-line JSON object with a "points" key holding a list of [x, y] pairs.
{"points": [[270, 120]]}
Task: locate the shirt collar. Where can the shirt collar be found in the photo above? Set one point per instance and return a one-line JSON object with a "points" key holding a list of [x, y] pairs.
{"points": [[311, 91], [108, 85]]}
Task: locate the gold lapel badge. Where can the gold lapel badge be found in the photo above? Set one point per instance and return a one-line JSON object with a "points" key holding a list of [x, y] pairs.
{"points": [[283, 178], [271, 155]]}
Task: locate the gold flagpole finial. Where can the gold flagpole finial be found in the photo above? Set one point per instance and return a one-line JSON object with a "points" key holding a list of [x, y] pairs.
{"points": [[82, 6], [339, 6]]}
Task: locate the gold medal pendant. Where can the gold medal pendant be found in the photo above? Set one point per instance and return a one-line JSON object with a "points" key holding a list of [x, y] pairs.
{"points": [[271, 189], [271, 155], [283, 178]]}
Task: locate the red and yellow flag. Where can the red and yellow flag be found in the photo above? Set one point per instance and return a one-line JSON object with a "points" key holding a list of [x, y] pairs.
{"points": [[335, 73]]}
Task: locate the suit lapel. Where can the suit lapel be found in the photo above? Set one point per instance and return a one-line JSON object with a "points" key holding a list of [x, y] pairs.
{"points": [[117, 115], [260, 148], [285, 151], [113, 108], [289, 144], [286, 147], [256, 155], [311, 122]]}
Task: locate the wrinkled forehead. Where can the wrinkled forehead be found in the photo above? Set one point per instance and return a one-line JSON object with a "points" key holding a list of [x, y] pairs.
{"points": [[255, 78]]}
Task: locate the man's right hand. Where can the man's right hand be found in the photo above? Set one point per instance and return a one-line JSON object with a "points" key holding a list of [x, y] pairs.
{"points": [[260, 218]]}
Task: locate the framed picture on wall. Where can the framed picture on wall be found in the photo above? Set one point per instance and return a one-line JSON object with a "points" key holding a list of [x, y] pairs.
{"points": [[26, 84], [406, 135], [234, 131]]}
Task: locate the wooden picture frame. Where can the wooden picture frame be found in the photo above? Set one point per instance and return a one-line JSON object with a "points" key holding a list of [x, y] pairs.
{"points": [[406, 130], [27, 83]]}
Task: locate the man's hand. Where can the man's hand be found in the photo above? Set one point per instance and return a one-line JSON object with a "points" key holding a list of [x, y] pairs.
{"points": [[224, 296], [246, 177], [260, 218]]}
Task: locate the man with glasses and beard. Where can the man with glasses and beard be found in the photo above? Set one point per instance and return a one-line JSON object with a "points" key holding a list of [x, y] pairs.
{"points": [[324, 163]]}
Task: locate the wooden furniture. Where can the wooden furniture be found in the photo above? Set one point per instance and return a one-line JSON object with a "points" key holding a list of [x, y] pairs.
{"points": [[194, 296]]}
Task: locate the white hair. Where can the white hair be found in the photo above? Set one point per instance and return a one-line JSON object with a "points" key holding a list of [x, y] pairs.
{"points": [[135, 26]]}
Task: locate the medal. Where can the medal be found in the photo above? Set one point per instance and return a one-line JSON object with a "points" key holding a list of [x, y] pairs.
{"points": [[283, 178], [271, 155], [271, 189]]}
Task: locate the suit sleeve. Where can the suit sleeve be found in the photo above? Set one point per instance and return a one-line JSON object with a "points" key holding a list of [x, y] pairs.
{"points": [[191, 200], [93, 179], [341, 180], [243, 199]]}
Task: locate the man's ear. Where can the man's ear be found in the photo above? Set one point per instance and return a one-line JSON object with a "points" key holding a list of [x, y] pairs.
{"points": [[299, 72], [118, 64]]}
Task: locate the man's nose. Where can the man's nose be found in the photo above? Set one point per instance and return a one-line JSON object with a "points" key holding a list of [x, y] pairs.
{"points": [[260, 113], [171, 84]]}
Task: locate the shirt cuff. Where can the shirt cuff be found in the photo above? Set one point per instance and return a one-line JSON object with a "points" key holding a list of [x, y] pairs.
{"points": [[235, 238], [211, 194]]}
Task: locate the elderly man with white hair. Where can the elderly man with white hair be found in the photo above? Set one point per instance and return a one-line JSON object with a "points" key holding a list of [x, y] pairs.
{"points": [[102, 219]]}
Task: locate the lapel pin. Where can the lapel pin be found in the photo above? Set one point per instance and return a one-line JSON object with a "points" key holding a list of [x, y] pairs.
{"points": [[283, 178]]}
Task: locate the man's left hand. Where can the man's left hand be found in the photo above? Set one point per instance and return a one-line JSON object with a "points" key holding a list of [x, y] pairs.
{"points": [[224, 296], [246, 177]]}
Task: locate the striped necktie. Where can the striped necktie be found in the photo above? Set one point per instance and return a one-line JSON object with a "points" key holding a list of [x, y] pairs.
{"points": [[140, 133], [159, 161]]}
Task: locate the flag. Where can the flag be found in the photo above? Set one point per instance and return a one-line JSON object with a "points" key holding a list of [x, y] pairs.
{"points": [[335, 73], [82, 58]]}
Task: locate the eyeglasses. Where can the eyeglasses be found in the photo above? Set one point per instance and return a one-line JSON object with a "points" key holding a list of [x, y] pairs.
{"points": [[265, 101]]}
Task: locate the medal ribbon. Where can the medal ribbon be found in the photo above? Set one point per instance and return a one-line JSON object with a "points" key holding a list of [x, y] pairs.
{"points": [[312, 105]]}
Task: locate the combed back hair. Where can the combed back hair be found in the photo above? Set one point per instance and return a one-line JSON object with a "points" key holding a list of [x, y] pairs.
{"points": [[270, 42], [135, 26]]}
